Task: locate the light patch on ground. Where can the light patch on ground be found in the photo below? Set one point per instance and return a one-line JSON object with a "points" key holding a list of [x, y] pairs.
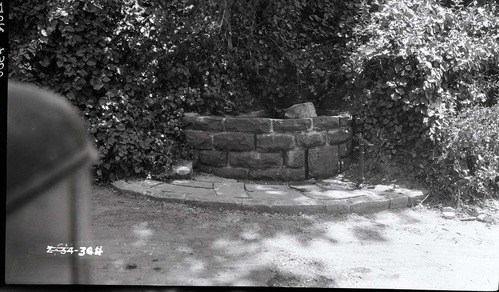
{"points": [[405, 249], [142, 233]]}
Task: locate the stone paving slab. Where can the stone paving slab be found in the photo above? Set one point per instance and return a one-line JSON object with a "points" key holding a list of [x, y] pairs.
{"points": [[334, 194], [276, 195], [212, 178], [234, 190], [137, 187], [193, 184], [261, 187], [315, 197], [335, 183], [148, 183], [378, 189], [176, 191], [306, 187], [209, 196]]}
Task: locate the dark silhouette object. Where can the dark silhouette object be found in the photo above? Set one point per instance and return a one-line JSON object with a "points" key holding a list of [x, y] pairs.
{"points": [[362, 144], [48, 182]]}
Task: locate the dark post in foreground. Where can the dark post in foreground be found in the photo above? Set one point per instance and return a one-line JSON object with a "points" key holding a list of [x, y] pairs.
{"points": [[49, 157]]}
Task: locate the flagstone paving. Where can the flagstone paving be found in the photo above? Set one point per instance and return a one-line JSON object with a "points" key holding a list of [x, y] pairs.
{"points": [[321, 196]]}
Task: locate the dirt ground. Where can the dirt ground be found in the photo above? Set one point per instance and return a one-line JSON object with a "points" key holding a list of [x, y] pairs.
{"points": [[148, 242]]}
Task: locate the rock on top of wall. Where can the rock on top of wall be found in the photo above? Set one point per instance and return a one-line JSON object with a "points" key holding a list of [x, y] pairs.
{"points": [[300, 111]]}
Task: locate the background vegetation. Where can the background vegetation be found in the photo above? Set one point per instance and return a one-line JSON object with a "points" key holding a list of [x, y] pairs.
{"points": [[423, 79], [418, 75]]}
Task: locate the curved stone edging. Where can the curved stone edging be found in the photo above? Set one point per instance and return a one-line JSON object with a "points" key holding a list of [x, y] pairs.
{"points": [[275, 149], [222, 193]]}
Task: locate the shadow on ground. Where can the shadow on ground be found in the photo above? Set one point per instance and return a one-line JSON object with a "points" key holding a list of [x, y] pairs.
{"points": [[154, 243]]}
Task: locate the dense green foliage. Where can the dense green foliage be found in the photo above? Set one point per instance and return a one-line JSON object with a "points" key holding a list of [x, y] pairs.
{"points": [[415, 65], [133, 67], [99, 56], [469, 160], [416, 73]]}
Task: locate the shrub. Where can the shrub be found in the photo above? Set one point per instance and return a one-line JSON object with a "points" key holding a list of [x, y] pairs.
{"points": [[468, 164], [290, 51], [133, 67], [416, 62], [103, 56], [415, 66]]}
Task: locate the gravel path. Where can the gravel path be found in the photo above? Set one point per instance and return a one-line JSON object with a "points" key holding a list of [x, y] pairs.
{"points": [[151, 243]]}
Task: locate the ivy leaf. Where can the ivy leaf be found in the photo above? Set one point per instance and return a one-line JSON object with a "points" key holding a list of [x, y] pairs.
{"points": [[98, 86]]}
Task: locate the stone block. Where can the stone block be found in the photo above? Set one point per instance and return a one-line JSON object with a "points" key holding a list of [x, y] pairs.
{"points": [[293, 174], [294, 125], [301, 110], [265, 174], [345, 163], [230, 172], [415, 196], [213, 158], [256, 205], [334, 194], [255, 160], [397, 200], [264, 188], [324, 123], [368, 204], [255, 125], [188, 119], [337, 206], [294, 158], [345, 148], [233, 141], [203, 168], [484, 218], [300, 205], [203, 123], [339, 136], [272, 142], [323, 162], [182, 169], [199, 139], [310, 139]]}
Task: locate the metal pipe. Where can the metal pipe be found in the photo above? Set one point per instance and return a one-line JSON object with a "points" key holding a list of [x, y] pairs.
{"points": [[361, 178]]}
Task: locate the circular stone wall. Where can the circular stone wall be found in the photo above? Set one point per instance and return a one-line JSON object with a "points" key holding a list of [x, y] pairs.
{"points": [[270, 149]]}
